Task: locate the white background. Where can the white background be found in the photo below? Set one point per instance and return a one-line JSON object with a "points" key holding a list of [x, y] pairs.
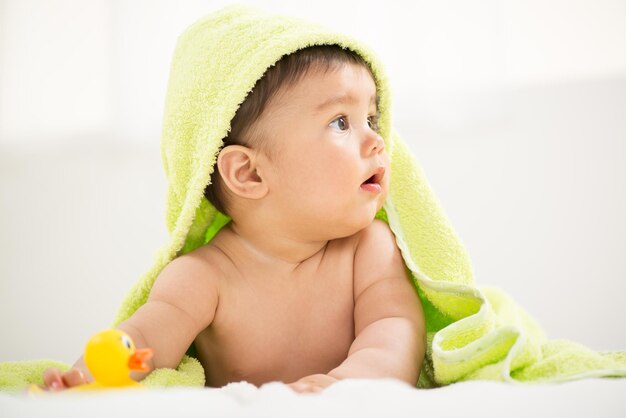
{"points": [[515, 109]]}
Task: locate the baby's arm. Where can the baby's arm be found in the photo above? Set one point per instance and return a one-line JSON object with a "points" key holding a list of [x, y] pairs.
{"points": [[182, 303], [388, 317]]}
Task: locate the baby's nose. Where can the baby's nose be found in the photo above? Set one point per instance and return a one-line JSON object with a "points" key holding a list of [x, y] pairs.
{"points": [[380, 143]]}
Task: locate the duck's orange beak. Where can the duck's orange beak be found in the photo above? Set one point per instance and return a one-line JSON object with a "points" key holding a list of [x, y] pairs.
{"points": [[138, 360]]}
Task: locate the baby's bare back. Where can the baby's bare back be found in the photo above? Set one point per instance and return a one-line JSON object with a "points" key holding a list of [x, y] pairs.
{"points": [[271, 326]]}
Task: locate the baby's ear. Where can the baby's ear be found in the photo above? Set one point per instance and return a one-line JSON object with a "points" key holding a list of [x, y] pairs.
{"points": [[237, 165]]}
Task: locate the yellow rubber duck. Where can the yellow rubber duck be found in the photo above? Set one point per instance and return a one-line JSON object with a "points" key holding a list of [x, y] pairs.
{"points": [[110, 356]]}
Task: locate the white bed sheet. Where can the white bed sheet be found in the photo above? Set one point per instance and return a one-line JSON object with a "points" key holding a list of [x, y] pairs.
{"points": [[348, 398]]}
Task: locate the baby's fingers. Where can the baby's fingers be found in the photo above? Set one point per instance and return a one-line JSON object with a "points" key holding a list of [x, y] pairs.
{"points": [[73, 377], [52, 379], [304, 387]]}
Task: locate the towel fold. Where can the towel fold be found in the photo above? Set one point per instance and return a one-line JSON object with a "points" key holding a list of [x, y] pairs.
{"points": [[472, 332]]}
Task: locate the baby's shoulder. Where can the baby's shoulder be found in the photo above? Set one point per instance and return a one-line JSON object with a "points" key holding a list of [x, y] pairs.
{"points": [[199, 269], [375, 231], [205, 260]]}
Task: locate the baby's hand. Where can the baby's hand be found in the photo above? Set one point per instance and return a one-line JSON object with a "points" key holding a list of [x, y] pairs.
{"points": [[54, 380], [312, 383]]}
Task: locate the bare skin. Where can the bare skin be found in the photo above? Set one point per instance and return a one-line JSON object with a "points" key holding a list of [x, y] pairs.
{"points": [[295, 326], [303, 286]]}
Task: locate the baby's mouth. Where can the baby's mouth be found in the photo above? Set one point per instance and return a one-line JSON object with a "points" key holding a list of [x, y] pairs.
{"points": [[372, 184], [369, 180], [376, 177]]}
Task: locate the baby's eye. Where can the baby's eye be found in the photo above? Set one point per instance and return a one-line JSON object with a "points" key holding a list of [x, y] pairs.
{"points": [[372, 121], [342, 125]]}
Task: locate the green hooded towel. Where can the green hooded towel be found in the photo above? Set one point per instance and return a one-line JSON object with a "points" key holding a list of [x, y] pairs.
{"points": [[472, 332]]}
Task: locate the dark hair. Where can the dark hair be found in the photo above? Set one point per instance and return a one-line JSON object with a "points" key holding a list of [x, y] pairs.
{"points": [[287, 71]]}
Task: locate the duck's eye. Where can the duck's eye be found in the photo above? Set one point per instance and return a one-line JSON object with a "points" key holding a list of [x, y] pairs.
{"points": [[126, 341]]}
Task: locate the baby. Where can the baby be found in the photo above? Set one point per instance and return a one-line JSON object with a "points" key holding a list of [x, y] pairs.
{"points": [[304, 285]]}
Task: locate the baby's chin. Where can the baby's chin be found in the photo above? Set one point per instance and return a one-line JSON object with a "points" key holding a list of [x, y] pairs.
{"points": [[347, 228], [325, 226]]}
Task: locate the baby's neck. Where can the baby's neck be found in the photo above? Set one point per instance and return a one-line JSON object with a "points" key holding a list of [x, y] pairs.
{"points": [[272, 248]]}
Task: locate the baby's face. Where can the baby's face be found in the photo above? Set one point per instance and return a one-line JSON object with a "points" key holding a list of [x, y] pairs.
{"points": [[327, 150]]}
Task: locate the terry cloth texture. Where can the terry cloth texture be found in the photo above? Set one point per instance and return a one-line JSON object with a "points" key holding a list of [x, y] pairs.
{"points": [[472, 332]]}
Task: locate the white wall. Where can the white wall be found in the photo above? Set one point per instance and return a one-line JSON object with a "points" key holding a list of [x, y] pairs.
{"points": [[514, 108], [101, 66]]}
